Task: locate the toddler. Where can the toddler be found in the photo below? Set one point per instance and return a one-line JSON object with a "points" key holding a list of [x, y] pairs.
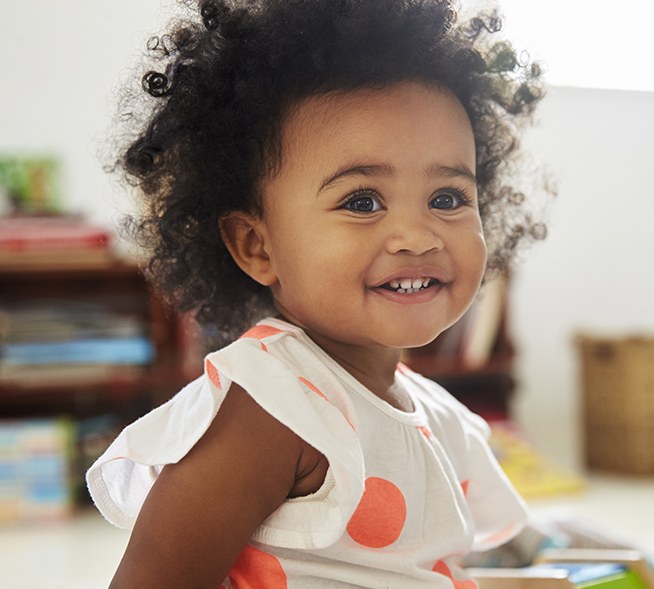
{"points": [[328, 180]]}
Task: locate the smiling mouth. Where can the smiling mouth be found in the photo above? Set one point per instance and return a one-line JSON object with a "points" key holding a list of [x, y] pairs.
{"points": [[410, 285]]}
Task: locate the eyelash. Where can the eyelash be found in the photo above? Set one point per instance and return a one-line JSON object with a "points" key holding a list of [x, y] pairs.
{"points": [[460, 193], [359, 194], [454, 192]]}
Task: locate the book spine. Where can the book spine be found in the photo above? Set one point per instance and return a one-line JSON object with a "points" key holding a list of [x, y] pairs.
{"points": [[27, 244], [137, 350]]}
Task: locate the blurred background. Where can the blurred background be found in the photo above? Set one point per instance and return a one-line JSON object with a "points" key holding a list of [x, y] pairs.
{"points": [[561, 357]]}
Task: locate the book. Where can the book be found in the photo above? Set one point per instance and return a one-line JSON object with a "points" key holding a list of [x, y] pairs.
{"points": [[50, 342], [35, 465], [482, 324], [45, 320], [532, 474], [128, 350], [56, 258], [27, 242], [21, 234], [21, 376]]}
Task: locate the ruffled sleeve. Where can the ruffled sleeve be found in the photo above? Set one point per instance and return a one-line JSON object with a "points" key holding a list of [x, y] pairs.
{"points": [[121, 478]]}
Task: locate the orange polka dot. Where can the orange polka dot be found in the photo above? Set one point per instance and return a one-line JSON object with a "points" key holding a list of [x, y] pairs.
{"points": [[464, 487], [256, 569], [442, 569], [212, 373], [380, 516], [261, 331]]}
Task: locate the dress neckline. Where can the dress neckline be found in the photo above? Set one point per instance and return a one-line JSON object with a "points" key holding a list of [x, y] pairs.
{"points": [[414, 417]]}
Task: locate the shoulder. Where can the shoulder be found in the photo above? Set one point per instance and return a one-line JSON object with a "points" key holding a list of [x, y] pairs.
{"points": [[260, 400], [237, 474]]}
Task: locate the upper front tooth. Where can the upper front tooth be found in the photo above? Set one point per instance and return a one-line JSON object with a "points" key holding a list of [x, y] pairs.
{"points": [[395, 283], [417, 283], [406, 283]]}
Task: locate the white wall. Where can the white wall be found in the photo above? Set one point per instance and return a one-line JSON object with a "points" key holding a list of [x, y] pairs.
{"points": [[63, 58], [595, 272], [61, 63]]}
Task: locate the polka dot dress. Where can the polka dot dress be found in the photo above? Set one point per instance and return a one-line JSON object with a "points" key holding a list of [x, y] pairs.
{"points": [[405, 496]]}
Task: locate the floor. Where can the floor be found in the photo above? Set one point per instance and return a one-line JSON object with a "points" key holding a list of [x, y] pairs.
{"points": [[82, 553]]}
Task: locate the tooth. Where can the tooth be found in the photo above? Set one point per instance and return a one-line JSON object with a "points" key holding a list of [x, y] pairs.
{"points": [[401, 290], [426, 282], [394, 284], [407, 283], [417, 283]]}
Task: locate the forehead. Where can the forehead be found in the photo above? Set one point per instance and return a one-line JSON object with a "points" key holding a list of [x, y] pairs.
{"points": [[409, 123]]}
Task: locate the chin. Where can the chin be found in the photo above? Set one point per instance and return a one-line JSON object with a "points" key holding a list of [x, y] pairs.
{"points": [[413, 340]]}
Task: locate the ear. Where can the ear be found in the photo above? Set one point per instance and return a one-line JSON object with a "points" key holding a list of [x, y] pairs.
{"points": [[247, 240]]}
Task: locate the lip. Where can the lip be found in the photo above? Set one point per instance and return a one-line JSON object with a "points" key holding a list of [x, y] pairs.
{"points": [[416, 298], [441, 278], [432, 272]]}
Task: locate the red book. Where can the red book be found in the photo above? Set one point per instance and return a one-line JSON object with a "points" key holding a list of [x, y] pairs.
{"points": [[29, 234]]}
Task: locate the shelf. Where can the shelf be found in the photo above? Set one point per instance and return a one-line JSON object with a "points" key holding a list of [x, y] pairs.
{"points": [[434, 366], [121, 288]]}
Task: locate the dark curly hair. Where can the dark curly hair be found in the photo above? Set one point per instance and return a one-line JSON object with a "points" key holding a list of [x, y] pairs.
{"points": [[218, 93]]}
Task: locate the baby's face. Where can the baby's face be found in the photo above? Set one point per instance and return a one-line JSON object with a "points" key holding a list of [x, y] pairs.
{"points": [[372, 222]]}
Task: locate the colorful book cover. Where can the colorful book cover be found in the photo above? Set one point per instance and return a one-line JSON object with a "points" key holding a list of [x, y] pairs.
{"points": [[35, 469]]}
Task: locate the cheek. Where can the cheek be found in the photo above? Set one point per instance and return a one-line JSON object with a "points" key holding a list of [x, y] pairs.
{"points": [[301, 257], [473, 257], [483, 250]]}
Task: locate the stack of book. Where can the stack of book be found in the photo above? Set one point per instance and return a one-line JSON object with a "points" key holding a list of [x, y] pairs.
{"points": [[46, 342], [35, 461], [28, 242]]}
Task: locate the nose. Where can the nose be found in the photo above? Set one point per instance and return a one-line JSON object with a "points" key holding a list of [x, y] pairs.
{"points": [[414, 233]]}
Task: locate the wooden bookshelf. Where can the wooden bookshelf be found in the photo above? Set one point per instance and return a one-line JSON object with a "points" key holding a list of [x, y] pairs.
{"points": [[486, 387], [80, 390], [92, 401]]}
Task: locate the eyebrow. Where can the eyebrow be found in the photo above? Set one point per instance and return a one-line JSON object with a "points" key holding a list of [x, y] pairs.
{"points": [[350, 169], [457, 171], [371, 170]]}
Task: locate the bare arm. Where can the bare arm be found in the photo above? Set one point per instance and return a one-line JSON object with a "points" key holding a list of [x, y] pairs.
{"points": [[202, 511]]}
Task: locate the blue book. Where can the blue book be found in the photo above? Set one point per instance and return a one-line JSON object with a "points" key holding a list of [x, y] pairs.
{"points": [[128, 350]]}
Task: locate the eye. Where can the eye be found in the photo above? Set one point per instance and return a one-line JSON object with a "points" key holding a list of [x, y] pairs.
{"points": [[449, 200], [363, 202]]}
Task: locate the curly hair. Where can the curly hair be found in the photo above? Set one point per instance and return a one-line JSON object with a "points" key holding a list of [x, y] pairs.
{"points": [[226, 77]]}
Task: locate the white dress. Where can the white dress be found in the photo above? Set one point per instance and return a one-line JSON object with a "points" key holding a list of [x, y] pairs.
{"points": [[405, 496]]}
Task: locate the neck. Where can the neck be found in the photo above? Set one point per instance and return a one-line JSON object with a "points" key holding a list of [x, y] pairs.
{"points": [[373, 366]]}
